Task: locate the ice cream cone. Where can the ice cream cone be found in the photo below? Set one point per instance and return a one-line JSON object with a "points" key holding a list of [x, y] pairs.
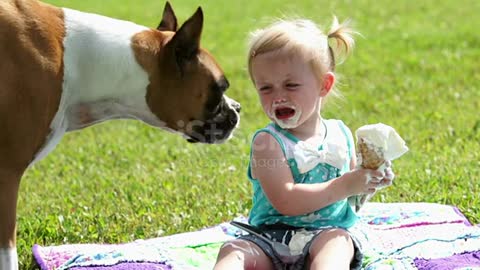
{"points": [[372, 156], [376, 144]]}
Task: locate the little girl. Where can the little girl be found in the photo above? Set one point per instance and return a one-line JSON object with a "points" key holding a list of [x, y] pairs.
{"points": [[302, 166]]}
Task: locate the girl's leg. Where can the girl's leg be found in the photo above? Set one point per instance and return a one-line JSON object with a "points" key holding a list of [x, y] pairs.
{"points": [[331, 249], [241, 254]]}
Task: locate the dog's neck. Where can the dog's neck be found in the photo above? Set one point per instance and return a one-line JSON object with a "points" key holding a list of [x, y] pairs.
{"points": [[102, 79], [99, 61], [100, 68]]}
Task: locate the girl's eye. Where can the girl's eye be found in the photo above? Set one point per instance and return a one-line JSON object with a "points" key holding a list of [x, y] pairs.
{"points": [[292, 85], [264, 88]]}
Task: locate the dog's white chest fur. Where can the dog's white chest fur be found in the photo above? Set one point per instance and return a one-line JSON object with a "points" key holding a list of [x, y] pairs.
{"points": [[101, 72]]}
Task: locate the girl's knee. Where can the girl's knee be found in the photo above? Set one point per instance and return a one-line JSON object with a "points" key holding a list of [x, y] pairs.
{"points": [[333, 240], [336, 234], [236, 245], [241, 254]]}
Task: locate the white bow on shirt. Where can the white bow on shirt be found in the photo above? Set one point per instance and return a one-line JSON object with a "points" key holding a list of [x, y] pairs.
{"points": [[308, 156]]}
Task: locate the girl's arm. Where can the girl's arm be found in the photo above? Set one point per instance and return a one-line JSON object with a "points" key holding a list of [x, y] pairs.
{"points": [[271, 168]]}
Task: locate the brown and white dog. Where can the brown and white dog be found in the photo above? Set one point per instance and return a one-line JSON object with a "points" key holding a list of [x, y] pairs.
{"points": [[63, 70]]}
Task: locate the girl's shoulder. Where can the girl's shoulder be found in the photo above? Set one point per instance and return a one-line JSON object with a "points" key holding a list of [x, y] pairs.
{"points": [[271, 137], [267, 138], [263, 137]]}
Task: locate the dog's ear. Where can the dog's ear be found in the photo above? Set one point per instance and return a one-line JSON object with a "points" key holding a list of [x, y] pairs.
{"points": [[187, 39], [169, 20]]}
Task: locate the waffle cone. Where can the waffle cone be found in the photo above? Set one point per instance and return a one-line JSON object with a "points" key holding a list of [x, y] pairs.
{"points": [[372, 156]]}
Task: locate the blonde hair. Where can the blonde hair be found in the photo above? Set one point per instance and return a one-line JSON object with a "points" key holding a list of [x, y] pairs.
{"points": [[303, 38]]}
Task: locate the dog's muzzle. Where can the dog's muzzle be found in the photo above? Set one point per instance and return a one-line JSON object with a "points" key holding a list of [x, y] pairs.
{"points": [[220, 126]]}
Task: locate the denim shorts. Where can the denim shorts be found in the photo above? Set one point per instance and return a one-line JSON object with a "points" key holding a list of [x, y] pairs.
{"points": [[283, 233]]}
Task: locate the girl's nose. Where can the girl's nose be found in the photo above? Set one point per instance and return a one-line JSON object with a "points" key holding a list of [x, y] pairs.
{"points": [[279, 100]]}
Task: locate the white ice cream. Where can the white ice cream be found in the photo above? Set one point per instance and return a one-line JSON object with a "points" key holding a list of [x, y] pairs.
{"points": [[384, 137]]}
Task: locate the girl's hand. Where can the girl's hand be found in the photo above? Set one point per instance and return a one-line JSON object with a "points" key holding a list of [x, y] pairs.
{"points": [[387, 180], [364, 181]]}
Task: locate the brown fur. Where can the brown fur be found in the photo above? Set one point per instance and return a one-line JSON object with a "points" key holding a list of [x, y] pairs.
{"points": [[179, 101], [31, 72]]}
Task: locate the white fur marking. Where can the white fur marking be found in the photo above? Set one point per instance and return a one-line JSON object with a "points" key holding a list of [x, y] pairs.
{"points": [[99, 66], [8, 259], [99, 61]]}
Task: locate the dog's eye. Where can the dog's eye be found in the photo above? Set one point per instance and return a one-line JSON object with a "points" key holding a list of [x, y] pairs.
{"points": [[223, 84]]}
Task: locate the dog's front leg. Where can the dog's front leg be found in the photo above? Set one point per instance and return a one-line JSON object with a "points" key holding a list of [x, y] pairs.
{"points": [[9, 184]]}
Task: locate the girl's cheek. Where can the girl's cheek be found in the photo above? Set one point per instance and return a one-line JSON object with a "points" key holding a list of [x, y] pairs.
{"points": [[265, 107], [265, 101]]}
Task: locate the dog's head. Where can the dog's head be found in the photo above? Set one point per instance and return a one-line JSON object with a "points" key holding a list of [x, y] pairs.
{"points": [[187, 86]]}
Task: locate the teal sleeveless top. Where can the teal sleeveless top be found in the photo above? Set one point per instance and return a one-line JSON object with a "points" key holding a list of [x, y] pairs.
{"points": [[338, 214]]}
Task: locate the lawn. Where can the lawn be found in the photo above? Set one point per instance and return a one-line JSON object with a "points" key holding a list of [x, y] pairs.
{"points": [[415, 68]]}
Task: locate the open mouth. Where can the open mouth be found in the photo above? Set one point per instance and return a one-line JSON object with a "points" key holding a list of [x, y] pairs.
{"points": [[284, 113]]}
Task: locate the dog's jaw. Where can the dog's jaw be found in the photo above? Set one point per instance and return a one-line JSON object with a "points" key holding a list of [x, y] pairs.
{"points": [[219, 129]]}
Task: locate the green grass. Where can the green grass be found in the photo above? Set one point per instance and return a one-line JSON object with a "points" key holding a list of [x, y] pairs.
{"points": [[416, 68]]}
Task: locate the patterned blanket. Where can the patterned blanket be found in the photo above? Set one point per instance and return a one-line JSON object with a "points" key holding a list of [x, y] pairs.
{"points": [[400, 236]]}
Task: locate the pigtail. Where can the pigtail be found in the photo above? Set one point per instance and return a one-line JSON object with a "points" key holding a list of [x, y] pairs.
{"points": [[344, 42]]}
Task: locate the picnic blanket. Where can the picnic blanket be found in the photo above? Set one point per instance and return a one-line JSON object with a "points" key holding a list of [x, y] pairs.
{"points": [[400, 236]]}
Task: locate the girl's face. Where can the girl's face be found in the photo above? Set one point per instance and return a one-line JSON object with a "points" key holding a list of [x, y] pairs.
{"points": [[289, 91]]}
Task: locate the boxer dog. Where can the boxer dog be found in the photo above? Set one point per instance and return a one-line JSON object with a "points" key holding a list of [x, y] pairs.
{"points": [[63, 70]]}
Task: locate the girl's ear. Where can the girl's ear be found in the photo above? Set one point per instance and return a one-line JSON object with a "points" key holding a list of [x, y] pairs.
{"points": [[328, 82]]}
